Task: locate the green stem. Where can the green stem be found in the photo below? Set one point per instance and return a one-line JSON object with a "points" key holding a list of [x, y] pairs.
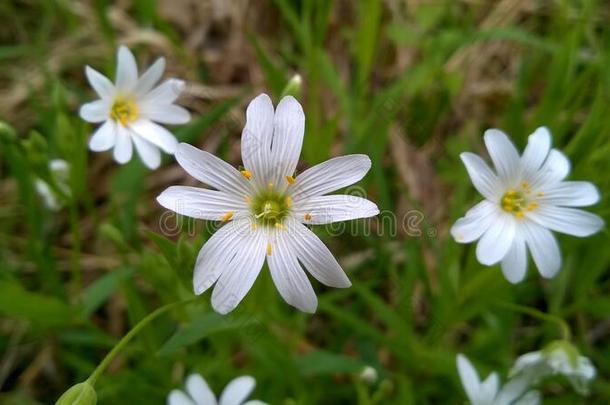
{"points": [[563, 326], [133, 332]]}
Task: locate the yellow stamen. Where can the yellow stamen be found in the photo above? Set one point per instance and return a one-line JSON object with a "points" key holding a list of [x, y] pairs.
{"points": [[279, 226], [290, 179], [246, 173], [307, 217], [270, 186], [520, 215], [248, 199], [124, 110], [226, 217], [268, 249], [288, 201], [254, 226], [532, 206]]}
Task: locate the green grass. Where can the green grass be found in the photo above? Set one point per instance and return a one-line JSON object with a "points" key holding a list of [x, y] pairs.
{"points": [[412, 87]]}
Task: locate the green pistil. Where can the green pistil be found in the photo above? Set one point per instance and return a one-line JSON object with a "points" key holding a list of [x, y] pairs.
{"points": [[270, 208]]}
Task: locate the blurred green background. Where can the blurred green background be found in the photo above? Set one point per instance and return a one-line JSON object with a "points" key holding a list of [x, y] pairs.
{"points": [[410, 83]]}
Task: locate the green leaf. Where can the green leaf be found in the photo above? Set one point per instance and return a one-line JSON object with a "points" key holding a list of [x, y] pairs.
{"points": [[322, 362], [101, 289]]}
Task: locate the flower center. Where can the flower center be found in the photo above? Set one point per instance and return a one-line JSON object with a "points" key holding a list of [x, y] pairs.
{"points": [[271, 208], [517, 202], [124, 110]]}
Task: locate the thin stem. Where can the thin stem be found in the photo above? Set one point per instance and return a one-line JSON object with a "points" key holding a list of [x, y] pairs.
{"points": [[133, 332], [563, 326]]}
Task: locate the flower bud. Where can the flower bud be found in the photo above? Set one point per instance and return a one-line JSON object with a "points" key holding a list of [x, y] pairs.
{"points": [[79, 394]]}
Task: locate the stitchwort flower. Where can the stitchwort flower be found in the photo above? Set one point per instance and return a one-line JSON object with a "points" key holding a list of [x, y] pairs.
{"points": [[526, 198], [489, 392], [266, 208], [130, 110], [199, 393]]}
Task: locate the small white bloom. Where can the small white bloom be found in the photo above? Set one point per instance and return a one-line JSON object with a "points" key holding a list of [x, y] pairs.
{"points": [[266, 209], [369, 375], [60, 172], [488, 392], [525, 199], [131, 108], [558, 358], [199, 393]]}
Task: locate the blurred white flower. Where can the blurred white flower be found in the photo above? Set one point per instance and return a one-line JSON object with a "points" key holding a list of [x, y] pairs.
{"points": [[525, 199], [489, 392], [60, 172], [266, 209], [199, 393], [558, 358], [369, 375], [130, 108]]}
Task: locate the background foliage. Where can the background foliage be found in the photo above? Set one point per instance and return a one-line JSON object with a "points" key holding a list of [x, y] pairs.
{"points": [[411, 83]]}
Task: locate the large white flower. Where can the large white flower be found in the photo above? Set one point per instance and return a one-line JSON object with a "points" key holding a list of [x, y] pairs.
{"points": [[199, 393], [558, 358], [489, 392], [131, 108], [525, 199], [266, 209]]}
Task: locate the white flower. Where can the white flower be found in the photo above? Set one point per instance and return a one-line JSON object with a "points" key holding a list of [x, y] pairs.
{"points": [[266, 209], [130, 109], [525, 199], [60, 172], [558, 358], [369, 375], [488, 392], [199, 393]]}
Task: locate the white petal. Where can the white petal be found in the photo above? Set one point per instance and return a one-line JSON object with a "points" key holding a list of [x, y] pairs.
{"points": [[476, 221], [527, 362], [155, 134], [555, 168], [256, 138], [469, 377], [315, 256], [331, 175], [289, 128], [150, 77], [489, 389], [504, 155], [530, 398], [199, 390], [127, 69], [177, 397], [95, 111], [165, 93], [570, 221], [326, 209], [216, 253], [100, 83], [483, 179], [571, 194], [514, 264], [123, 148], [289, 277], [536, 151], [211, 170], [255, 402], [166, 114], [512, 391], [544, 248], [149, 153], [237, 391], [104, 137], [496, 241], [201, 203], [241, 272]]}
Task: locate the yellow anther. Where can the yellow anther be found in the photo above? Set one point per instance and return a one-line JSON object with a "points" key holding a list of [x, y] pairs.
{"points": [[520, 215], [290, 179], [254, 226], [525, 185], [227, 217], [247, 199], [307, 217], [532, 206], [288, 201], [279, 226], [268, 249], [270, 186], [124, 110], [246, 173]]}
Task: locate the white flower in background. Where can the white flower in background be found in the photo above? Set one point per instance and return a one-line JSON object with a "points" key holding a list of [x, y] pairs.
{"points": [[60, 172], [489, 392], [199, 393], [266, 209], [130, 110], [558, 358], [369, 375], [525, 199]]}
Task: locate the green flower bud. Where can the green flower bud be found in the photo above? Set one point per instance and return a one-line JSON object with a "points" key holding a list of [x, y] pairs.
{"points": [[293, 87], [79, 394]]}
